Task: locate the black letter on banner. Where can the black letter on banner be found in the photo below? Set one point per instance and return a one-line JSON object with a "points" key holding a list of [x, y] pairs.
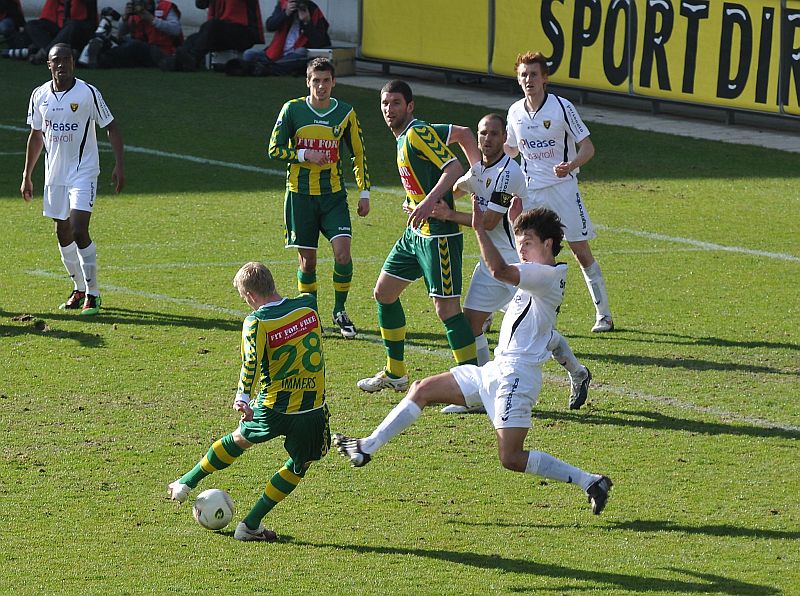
{"points": [[554, 32], [764, 54], [616, 74], [790, 56], [654, 42], [583, 36], [734, 15], [693, 11]]}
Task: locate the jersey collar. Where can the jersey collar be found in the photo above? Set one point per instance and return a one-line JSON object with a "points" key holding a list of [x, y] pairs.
{"points": [[332, 107]]}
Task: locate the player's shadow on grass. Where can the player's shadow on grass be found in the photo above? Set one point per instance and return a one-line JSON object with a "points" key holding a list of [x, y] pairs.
{"points": [[651, 526], [687, 363], [654, 337], [38, 325], [662, 422], [707, 582]]}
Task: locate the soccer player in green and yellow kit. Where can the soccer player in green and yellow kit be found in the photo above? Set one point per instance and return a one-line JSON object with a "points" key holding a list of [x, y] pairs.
{"points": [[308, 135], [429, 248], [281, 393]]}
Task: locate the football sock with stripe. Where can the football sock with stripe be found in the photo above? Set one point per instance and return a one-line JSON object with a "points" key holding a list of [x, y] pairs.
{"points": [[400, 418], [461, 340], [392, 322], [544, 464], [482, 349], [342, 276], [220, 455], [597, 289], [69, 256], [563, 354], [88, 259], [278, 488], [307, 282]]}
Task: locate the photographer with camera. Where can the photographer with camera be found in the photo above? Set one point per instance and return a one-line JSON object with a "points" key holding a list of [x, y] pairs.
{"points": [[149, 32], [231, 25], [298, 26], [71, 22]]}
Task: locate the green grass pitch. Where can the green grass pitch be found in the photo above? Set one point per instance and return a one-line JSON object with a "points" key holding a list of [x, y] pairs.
{"points": [[693, 412]]}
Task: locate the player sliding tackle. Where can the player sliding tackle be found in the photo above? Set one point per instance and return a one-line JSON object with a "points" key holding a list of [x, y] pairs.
{"points": [[509, 385]]}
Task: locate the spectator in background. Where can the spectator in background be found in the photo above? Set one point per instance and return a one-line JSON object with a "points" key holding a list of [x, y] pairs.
{"points": [[72, 22], [11, 19], [231, 25], [149, 33], [298, 26]]}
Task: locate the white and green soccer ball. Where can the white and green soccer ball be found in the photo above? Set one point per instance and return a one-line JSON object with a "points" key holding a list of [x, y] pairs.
{"points": [[213, 509]]}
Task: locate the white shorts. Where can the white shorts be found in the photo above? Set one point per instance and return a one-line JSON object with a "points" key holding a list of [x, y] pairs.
{"points": [[507, 390], [565, 199], [60, 200], [487, 294]]}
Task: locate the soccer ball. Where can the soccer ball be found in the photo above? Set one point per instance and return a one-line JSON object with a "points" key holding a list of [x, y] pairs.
{"points": [[213, 509]]}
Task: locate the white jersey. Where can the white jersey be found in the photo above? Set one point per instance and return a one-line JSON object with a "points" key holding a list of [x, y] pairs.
{"points": [[67, 121], [545, 138], [531, 315], [493, 185]]}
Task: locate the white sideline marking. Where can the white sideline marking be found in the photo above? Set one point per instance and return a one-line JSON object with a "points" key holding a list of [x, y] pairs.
{"points": [[397, 191], [447, 355]]}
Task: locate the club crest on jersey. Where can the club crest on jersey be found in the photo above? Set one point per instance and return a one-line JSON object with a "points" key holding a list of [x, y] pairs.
{"points": [[546, 123], [488, 182], [73, 107], [336, 131]]}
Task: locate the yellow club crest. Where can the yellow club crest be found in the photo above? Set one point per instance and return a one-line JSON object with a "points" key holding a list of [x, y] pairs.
{"points": [[73, 107], [546, 123]]}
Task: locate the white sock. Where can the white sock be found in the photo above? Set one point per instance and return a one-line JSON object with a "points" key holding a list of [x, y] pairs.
{"points": [[544, 464], [563, 354], [482, 346], [597, 289], [400, 418], [69, 256], [88, 259]]}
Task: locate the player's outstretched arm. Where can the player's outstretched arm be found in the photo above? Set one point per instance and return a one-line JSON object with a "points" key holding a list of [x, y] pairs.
{"points": [[499, 269], [32, 152], [466, 140], [118, 147]]}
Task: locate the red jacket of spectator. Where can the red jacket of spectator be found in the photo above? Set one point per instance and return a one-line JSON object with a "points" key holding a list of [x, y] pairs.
{"points": [[241, 12], [282, 24], [80, 10], [144, 31]]}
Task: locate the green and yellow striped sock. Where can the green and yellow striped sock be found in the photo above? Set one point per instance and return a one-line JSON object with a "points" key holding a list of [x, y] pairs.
{"points": [[307, 282], [392, 321], [342, 276], [461, 340], [280, 485], [220, 455]]}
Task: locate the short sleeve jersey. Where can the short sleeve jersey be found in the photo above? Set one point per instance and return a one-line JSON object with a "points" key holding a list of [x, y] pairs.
{"points": [[282, 363], [300, 126], [545, 138], [531, 315], [494, 186], [422, 154], [67, 120]]}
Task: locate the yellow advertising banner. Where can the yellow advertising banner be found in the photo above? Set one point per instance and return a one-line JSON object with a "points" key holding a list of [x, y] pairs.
{"points": [[446, 33], [741, 55], [790, 50], [585, 41]]}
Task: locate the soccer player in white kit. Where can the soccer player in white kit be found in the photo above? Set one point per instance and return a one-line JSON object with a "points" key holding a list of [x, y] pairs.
{"points": [[509, 385], [494, 181], [545, 129], [62, 115]]}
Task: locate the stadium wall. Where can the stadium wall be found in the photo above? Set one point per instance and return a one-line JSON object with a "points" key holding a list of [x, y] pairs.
{"points": [[735, 55]]}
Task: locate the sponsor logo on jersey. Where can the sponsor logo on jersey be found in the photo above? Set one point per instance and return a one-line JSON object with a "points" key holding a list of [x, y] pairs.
{"points": [[73, 107], [546, 123], [410, 182], [538, 144], [330, 147], [297, 328]]}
